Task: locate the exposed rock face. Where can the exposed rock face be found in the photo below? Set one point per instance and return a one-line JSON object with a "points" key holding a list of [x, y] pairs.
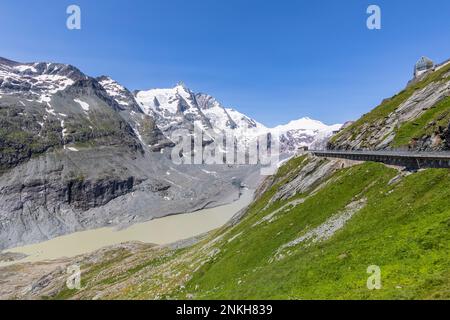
{"points": [[446, 135], [438, 140], [143, 125], [381, 131], [78, 153], [314, 172], [84, 195], [32, 122]]}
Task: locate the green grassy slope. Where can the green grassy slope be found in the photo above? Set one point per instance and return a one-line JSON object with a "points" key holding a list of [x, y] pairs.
{"points": [[402, 226], [403, 229], [433, 120], [404, 134]]}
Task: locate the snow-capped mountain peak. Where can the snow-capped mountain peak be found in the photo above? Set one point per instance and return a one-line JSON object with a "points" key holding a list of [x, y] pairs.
{"points": [[120, 94], [305, 123], [180, 108], [158, 112], [37, 81], [115, 90], [305, 132], [164, 101]]}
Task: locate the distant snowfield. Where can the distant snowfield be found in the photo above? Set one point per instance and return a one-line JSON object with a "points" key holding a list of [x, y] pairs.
{"points": [[23, 68], [306, 124]]}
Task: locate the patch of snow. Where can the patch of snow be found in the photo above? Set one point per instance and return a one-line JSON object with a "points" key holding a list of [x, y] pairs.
{"points": [[85, 106], [53, 83], [23, 68], [44, 98], [209, 172], [64, 132], [50, 111], [115, 90], [136, 132]]}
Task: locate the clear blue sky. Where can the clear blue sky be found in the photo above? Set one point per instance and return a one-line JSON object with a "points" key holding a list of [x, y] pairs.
{"points": [[273, 60]]}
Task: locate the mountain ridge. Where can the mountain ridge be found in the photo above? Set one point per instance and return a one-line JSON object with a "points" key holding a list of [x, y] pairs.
{"points": [[195, 108], [171, 105], [415, 119], [75, 156]]}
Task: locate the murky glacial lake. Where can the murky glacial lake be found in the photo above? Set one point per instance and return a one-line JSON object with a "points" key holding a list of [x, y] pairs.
{"points": [[160, 231]]}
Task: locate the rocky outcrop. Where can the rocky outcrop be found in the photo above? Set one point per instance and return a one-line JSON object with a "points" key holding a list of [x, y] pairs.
{"points": [[438, 140], [86, 194], [310, 177], [379, 129]]}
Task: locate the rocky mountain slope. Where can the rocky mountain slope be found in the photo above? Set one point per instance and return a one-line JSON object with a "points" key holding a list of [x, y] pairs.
{"points": [[417, 118], [78, 152]]}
